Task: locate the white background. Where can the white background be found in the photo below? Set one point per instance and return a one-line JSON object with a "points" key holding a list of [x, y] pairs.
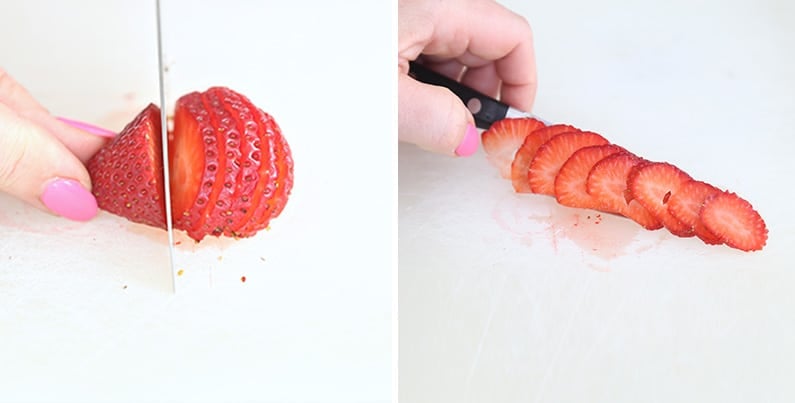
{"points": [[87, 311], [504, 299]]}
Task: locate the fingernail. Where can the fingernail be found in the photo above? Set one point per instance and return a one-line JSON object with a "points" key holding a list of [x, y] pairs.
{"points": [[470, 143], [87, 127], [69, 199]]}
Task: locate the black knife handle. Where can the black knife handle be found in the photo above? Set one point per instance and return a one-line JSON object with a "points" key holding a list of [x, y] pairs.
{"points": [[484, 108]]}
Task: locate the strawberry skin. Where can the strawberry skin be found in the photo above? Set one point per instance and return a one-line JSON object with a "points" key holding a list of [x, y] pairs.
{"points": [[271, 196], [607, 184], [551, 156], [734, 220], [503, 138], [570, 184], [685, 205], [231, 169], [524, 156], [653, 184], [127, 173]]}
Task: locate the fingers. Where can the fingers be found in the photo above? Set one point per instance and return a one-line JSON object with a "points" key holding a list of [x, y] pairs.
{"points": [[504, 39], [36, 168], [81, 139], [434, 119]]}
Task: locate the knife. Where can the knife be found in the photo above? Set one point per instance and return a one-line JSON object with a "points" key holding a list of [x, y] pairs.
{"points": [[164, 136], [485, 109]]}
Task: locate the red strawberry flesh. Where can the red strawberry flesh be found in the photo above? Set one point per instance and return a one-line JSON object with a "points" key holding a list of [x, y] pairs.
{"points": [[551, 156], [734, 220], [197, 165], [524, 156], [653, 184], [503, 138], [570, 184], [607, 184], [685, 205]]}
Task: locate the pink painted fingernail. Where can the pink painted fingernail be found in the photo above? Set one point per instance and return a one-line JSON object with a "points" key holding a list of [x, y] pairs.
{"points": [[87, 127], [69, 199], [470, 143]]}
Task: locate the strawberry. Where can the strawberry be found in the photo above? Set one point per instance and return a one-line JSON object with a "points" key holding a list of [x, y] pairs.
{"points": [[653, 184], [503, 138], [127, 173], [570, 184], [734, 220], [607, 184], [553, 154], [525, 154], [685, 205], [231, 169]]}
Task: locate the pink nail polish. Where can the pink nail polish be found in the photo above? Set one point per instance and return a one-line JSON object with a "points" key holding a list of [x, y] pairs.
{"points": [[470, 143], [87, 127], [69, 199]]}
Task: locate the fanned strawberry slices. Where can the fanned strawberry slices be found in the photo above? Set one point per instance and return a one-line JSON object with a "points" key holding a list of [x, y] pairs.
{"points": [[582, 169], [231, 168]]}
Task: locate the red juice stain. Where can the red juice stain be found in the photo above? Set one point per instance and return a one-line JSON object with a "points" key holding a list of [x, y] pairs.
{"points": [[243, 279]]}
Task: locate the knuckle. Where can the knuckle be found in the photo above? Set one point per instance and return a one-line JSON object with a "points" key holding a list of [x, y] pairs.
{"points": [[14, 151]]}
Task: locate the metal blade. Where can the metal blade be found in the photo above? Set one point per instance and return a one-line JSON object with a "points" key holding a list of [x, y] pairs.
{"points": [[516, 113], [164, 134]]}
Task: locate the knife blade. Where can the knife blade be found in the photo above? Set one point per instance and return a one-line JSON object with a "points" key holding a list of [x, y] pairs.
{"points": [[164, 142], [485, 109]]}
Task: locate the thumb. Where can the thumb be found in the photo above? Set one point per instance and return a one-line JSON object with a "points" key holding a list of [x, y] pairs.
{"points": [[435, 119], [36, 168]]}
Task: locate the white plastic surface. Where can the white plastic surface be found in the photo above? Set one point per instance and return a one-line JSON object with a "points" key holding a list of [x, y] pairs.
{"points": [[513, 298], [86, 310]]}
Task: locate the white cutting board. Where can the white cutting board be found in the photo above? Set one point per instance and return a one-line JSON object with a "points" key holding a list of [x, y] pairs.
{"points": [[87, 311], [513, 298]]}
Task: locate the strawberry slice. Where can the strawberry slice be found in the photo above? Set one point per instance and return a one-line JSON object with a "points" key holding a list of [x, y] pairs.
{"points": [[607, 184], [553, 154], [570, 184], [653, 184], [685, 205], [231, 169], [270, 196], [503, 138], [734, 220], [521, 161], [127, 173]]}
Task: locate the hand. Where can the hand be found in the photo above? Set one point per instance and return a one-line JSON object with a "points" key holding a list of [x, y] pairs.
{"points": [[485, 45], [42, 157]]}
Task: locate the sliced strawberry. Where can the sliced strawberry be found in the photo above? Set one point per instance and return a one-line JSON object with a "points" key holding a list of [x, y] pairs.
{"points": [[553, 154], [503, 138], [127, 173], [521, 162], [231, 169], [570, 184], [607, 184], [653, 184], [685, 205], [734, 220], [194, 161], [272, 194]]}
